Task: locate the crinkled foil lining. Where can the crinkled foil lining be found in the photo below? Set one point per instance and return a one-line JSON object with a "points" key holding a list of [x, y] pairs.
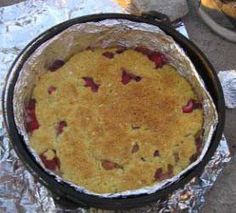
{"points": [[108, 33], [19, 190]]}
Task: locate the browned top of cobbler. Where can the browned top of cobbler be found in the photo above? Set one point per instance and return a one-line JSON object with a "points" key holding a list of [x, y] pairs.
{"points": [[114, 119]]}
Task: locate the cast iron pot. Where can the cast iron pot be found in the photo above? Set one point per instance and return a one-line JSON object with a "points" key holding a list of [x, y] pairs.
{"points": [[63, 192]]}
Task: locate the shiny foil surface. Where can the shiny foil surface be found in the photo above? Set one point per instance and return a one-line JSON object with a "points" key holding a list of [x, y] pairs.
{"points": [[19, 191], [228, 83]]}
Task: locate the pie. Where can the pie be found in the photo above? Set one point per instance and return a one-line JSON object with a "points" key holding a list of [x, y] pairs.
{"points": [[114, 119]]}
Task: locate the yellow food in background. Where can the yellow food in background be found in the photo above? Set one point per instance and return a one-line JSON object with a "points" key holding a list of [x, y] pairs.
{"points": [[229, 7], [123, 3]]}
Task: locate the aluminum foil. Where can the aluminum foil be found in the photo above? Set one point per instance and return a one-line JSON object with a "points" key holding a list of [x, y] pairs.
{"points": [[19, 191], [228, 82], [110, 33]]}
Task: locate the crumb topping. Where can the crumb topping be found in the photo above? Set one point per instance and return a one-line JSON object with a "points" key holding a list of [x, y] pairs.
{"points": [[115, 119]]}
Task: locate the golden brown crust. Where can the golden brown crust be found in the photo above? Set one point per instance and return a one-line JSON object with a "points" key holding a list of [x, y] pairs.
{"points": [[116, 135]]}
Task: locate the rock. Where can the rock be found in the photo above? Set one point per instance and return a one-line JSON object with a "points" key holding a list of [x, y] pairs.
{"points": [[175, 9]]}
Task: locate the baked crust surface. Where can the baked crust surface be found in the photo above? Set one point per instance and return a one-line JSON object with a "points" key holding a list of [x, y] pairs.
{"points": [[115, 121]]}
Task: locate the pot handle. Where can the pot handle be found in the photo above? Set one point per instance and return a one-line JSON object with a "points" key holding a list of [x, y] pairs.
{"points": [[157, 16]]}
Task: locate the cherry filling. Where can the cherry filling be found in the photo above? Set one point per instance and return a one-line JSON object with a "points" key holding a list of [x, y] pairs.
{"points": [[52, 164], [109, 55], [143, 50], [31, 120], [51, 89], [193, 157], [160, 175], [109, 165], [90, 48], [60, 126], [198, 143], [135, 148], [89, 82], [156, 154], [134, 127], [191, 105], [158, 58], [56, 65], [120, 49], [127, 77]]}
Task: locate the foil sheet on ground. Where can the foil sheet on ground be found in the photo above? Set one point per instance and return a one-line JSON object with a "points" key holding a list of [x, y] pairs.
{"points": [[19, 191], [228, 83]]}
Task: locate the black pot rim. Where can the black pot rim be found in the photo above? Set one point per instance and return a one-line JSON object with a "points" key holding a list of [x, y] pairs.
{"points": [[63, 189]]}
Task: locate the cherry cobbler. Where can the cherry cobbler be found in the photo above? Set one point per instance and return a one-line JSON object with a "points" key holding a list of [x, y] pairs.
{"points": [[114, 119]]}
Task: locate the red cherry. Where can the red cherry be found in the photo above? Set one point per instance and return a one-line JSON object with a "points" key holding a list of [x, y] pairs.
{"points": [[51, 89], [60, 127], [89, 82], [127, 77], [56, 65], [31, 120], [143, 50], [109, 165], [120, 49], [188, 108], [196, 104], [158, 58], [160, 175], [135, 148], [90, 48], [135, 127], [109, 55], [198, 144], [198, 141], [52, 164], [191, 105], [193, 157], [156, 154]]}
